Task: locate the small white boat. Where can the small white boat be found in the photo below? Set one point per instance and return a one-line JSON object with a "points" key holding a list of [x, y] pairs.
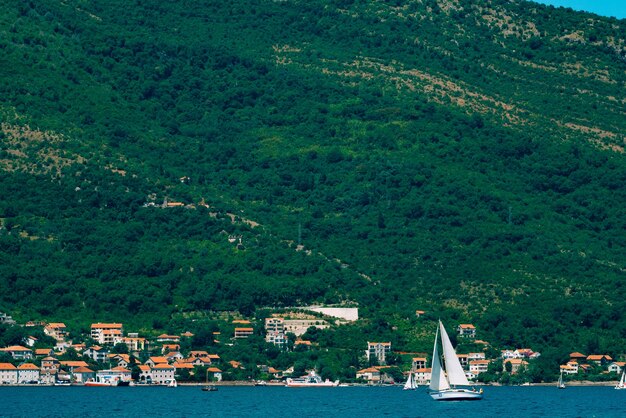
{"points": [[312, 380], [99, 382], [451, 384], [410, 383], [172, 384], [622, 381]]}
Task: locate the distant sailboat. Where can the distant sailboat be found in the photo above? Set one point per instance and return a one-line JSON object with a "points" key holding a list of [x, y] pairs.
{"points": [[410, 384], [560, 384], [444, 385], [622, 381]]}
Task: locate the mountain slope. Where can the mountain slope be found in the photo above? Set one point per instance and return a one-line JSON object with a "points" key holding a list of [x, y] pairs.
{"points": [[462, 157]]}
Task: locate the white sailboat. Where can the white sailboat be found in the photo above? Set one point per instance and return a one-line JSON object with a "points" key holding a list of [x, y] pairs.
{"points": [[449, 385], [622, 381], [561, 384], [410, 384]]}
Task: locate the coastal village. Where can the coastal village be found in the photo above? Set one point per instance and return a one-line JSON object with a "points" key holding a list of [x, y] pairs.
{"points": [[111, 353]]}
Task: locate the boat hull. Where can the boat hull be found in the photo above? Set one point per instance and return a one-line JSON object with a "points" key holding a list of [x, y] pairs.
{"points": [[97, 384], [456, 395], [313, 385]]}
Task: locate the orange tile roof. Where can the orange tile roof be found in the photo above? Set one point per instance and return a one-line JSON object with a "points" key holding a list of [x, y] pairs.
{"points": [[157, 360], [369, 370], [56, 325], [74, 363], [214, 370], [424, 370], [144, 368], [105, 325], [419, 358], [27, 366], [121, 369], [515, 361], [183, 365], [597, 357], [163, 366], [241, 321], [83, 370], [42, 351], [470, 326], [235, 364], [373, 343], [577, 355], [479, 362], [15, 348], [187, 334], [7, 366]]}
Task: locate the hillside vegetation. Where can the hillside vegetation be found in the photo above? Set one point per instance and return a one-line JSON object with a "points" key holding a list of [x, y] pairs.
{"points": [[465, 158]]}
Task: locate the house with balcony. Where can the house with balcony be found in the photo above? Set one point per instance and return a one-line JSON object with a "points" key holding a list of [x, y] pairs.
{"points": [[570, 368], [107, 333], [56, 330], [423, 375], [466, 331], [165, 338], [243, 332], [478, 366], [97, 353], [616, 367], [162, 373], [18, 352], [599, 359], [378, 351]]}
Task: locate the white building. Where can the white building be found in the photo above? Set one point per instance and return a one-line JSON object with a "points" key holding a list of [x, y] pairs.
{"points": [[616, 367], [18, 352], [423, 375], [162, 373], [379, 351], [27, 372], [107, 333], [478, 366], [97, 353], [467, 330], [8, 374]]}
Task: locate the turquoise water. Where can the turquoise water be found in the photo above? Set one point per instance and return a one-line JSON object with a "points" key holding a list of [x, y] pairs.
{"points": [[350, 402]]}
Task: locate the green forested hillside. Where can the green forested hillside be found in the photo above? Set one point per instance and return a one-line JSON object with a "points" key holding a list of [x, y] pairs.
{"points": [[461, 157]]}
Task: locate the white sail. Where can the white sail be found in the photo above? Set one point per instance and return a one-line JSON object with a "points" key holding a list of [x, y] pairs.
{"points": [[456, 375], [410, 382], [437, 378]]}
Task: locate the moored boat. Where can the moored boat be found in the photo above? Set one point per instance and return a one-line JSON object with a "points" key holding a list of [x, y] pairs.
{"points": [[98, 383], [312, 380]]}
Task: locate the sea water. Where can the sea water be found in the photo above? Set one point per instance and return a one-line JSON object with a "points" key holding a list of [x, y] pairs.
{"points": [[269, 401]]}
